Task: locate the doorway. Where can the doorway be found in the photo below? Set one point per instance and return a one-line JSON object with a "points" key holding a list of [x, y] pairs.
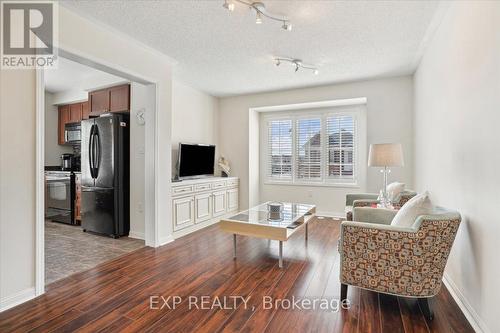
{"points": [[65, 244]]}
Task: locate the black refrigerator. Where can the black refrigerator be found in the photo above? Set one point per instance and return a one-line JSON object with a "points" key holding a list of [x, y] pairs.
{"points": [[105, 175]]}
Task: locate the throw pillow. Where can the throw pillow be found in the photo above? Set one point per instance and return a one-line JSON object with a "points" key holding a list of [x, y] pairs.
{"points": [[393, 190], [418, 205]]}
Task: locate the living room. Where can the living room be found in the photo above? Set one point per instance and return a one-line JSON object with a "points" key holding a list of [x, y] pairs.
{"points": [[336, 137]]}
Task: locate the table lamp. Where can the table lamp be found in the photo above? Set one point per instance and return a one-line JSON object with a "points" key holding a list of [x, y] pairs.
{"points": [[385, 155]]}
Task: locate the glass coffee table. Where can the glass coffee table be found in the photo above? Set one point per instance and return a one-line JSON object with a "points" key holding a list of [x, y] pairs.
{"points": [[260, 222]]}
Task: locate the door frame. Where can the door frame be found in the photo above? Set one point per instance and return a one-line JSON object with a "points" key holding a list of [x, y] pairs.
{"points": [[152, 238]]}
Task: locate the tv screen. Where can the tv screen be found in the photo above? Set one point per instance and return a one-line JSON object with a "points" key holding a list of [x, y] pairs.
{"points": [[196, 160]]}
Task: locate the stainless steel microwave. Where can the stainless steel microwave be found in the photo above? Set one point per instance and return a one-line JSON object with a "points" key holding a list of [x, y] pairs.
{"points": [[72, 133]]}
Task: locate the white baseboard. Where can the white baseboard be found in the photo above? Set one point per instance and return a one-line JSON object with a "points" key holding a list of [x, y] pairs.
{"points": [[136, 235], [165, 240], [335, 215], [16, 299], [474, 319], [196, 227]]}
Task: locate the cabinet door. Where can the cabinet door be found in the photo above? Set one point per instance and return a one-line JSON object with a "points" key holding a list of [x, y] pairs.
{"points": [[85, 110], [99, 101], [75, 112], [203, 207], [64, 118], [183, 212], [220, 202], [119, 98], [232, 200]]}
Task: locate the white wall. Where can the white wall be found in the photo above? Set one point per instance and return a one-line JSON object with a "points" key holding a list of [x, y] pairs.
{"points": [[389, 119], [53, 149], [457, 115], [194, 118], [17, 148]]}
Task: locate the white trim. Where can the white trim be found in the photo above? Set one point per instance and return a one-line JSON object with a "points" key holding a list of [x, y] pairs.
{"points": [[165, 240], [472, 316], [312, 105], [16, 299], [136, 235], [199, 226], [40, 184]]}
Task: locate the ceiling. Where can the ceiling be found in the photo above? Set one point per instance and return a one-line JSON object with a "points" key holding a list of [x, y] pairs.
{"points": [[70, 75], [225, 53]]}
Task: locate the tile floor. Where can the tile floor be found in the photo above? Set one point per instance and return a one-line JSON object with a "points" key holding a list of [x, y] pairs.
{"points": [[69, 250]]}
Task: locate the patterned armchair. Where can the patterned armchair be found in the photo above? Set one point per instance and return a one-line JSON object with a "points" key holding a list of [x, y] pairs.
{"points": [[402, 261], [367, 199]]}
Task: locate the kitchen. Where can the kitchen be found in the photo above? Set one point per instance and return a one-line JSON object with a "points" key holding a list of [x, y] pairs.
{"points": [[92, 156]]}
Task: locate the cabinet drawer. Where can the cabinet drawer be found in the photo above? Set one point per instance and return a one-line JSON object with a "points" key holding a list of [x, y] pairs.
{"points": [[201, 187], [232, 182], [182, 189], [218, 185]]}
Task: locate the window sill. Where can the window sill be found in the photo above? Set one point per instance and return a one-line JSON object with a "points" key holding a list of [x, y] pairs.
{"points": [[335, 185]]}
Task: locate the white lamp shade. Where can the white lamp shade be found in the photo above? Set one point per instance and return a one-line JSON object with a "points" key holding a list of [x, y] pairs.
{"points": [[385, 155]]}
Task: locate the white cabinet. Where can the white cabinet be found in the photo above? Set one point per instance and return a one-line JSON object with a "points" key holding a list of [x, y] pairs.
{"points": [[183, 212], [203, 207], [232, 199], [201, 202], [219, 203]]}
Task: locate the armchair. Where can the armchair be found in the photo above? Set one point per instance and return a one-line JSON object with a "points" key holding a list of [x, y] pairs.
{"points": [[402, 261], [367, 199]]}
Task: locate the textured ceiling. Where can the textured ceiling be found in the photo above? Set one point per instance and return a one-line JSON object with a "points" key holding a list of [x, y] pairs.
{"points": [[226, 53]]}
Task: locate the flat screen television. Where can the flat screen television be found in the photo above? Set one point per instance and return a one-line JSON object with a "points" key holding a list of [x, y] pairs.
{"points": [[196, 160]]}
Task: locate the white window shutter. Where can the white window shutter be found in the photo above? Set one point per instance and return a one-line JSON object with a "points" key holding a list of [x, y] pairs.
{"points": [[308, 149], [341, 134], [279, 159]]}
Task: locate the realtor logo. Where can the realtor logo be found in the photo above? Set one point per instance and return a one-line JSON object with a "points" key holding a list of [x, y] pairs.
{"points": [[29, 32]]}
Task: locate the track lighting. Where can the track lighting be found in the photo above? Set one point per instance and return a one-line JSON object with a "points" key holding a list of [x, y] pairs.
{"points": [[260, 11], [229, 5], [258, 18], [297, 63]]}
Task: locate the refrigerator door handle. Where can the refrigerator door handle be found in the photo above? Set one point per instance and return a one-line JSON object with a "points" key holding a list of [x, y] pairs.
{"points": [[97, 151], [91, 151]]}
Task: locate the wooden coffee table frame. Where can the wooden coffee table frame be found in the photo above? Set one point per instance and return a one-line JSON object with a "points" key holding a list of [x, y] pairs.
{"points": [[281, 234]]}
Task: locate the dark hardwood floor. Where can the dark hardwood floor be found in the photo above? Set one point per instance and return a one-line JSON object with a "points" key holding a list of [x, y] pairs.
{"points": [[115, 296]]}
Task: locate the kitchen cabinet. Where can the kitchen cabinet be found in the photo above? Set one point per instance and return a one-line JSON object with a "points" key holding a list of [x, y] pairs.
{"points": [[113, 99], [75, 112], [70, 113], [64, 118], [99, 101], [85, 110]]}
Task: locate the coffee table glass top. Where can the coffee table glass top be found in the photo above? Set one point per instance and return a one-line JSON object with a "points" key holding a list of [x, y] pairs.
{"points": [[290, 213]]}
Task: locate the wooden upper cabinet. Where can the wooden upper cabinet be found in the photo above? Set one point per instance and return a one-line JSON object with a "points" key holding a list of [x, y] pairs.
{"points": [[85, 110], [99, 101], [119, 98], [113, 99], [75, 112], [64, 118]]}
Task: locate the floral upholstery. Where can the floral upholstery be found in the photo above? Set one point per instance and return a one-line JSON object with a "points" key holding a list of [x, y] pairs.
{"points": [[394, 260]]}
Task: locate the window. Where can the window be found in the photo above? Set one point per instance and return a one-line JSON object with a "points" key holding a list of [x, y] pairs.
{"points": [[312, 149], [280, 150]]}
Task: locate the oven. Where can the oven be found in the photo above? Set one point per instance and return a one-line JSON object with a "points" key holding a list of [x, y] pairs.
{"points": [[59, 196], [72, 133]]}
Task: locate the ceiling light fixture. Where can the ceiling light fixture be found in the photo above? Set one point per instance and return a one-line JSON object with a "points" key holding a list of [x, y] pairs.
{"points": [[260, 10], [297, 63], [229, 5]]}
